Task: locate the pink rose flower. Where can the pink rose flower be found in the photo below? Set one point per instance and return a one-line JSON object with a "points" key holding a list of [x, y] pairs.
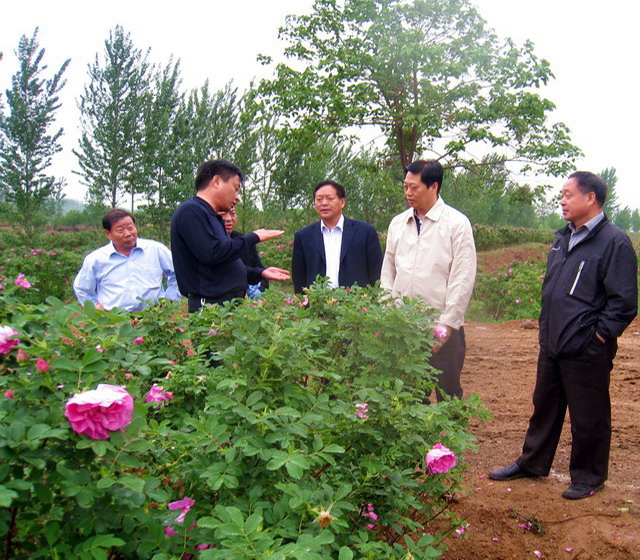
{"points": [[440, 332], [362, 410], [42, 365], [158, 394], [439, 459], [370, 513], [184, 506], [22, 356], [99, 348], [170, 531], [22, 282], [8, 339], [8, 394], [139, 340], [100, 411]]}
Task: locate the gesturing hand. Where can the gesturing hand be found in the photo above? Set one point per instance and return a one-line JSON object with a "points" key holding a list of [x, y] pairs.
{"points": [[266, 234], [275, 273]]}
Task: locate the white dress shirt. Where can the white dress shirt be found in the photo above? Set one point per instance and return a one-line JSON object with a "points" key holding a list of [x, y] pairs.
{"points": [[332, 245], [438, 265], [115, 280]]}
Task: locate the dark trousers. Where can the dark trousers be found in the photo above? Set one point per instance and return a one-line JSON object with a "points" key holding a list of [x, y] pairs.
{"points": [[449, 360], [196, 302], [580, 383]]}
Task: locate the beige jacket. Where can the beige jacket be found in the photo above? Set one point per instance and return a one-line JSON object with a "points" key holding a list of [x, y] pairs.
{"points": [[438, 266]]}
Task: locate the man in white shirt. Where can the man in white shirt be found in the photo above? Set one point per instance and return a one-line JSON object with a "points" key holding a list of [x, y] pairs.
{"points": [[431, 255], [344, 250], [127, 272]]}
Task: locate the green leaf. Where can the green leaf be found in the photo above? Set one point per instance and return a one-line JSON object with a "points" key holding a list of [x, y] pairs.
{"points": [[252, 523], [132, 482], [278, 459], [254, 398], [208, 523], [106, 483], [7, 496], [345, 554]]}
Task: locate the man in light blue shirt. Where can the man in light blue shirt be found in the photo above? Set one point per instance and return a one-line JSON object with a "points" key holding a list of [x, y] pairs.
{"points": [[127, 272]]}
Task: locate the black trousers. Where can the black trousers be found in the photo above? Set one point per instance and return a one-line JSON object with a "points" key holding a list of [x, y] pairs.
{"points": [[580, 383], [196, 302], [449, 360]]}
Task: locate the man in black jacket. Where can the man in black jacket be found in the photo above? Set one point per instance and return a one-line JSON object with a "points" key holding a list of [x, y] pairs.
{"points": [[589, 296], [207, 261]]}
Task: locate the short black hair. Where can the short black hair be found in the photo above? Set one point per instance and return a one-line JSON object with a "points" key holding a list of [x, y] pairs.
{"points": [[430, 171], [339, 188], [589, 182], [115, 215], [209, 169]]}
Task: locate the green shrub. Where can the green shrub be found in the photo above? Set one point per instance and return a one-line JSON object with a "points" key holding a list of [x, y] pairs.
{"points": [[264, 440], [511, 293], [494, 237]]}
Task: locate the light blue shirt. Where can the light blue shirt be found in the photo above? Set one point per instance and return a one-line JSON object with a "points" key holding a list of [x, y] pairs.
{"points": [[577, 235], [130, 283]]}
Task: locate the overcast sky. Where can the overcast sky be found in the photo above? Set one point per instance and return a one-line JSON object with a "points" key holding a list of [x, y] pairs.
{"points": [[592, 47]]}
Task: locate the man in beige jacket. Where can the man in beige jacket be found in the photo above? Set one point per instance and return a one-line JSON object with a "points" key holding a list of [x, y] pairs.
{"points": [[431, 255]]}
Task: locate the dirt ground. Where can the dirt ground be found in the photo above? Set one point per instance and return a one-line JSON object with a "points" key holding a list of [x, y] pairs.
{"points": [[605, 526]]}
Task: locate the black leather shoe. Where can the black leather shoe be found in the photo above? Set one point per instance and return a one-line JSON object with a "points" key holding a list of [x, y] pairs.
{"points": [[579, 491], [511, 473]]}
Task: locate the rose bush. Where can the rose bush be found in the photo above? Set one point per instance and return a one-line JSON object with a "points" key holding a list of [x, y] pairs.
{"points": [[260, 452]]}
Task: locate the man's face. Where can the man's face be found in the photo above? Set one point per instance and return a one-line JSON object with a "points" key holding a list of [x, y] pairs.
{"points": [[230, 219], [418, 195], [123, 235], [225, 193], [328, 203], [577, 207]]}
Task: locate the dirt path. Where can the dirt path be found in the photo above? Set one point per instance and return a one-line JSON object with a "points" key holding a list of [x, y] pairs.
{"points": [[605, 526]]}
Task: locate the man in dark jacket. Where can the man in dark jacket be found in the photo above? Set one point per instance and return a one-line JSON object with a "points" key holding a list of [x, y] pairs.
{"points": [[207, 261], [344, 250], [589, 296]]}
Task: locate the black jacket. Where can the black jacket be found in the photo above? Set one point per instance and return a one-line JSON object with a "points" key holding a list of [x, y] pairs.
{"points": [[360, 255], [592, 288], [206, 260]]}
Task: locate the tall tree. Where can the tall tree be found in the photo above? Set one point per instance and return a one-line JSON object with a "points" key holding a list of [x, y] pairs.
{"points": [[27, 143], [163, 146], [611, 205], [112, 109], [428, 73], [635, 220]]}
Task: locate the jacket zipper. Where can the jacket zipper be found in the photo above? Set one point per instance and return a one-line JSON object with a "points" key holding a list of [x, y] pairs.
{"points": [[575, 282]]}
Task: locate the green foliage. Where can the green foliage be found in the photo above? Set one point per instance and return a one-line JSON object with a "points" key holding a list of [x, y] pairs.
{"points": [[513, 292], [27, 145], [265, 439], [428, 73], [493, 237]]}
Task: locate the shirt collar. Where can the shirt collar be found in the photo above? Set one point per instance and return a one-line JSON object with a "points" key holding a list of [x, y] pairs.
{"points": [[593, 222], [339, 225], [434, 212], [112, 249]]}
